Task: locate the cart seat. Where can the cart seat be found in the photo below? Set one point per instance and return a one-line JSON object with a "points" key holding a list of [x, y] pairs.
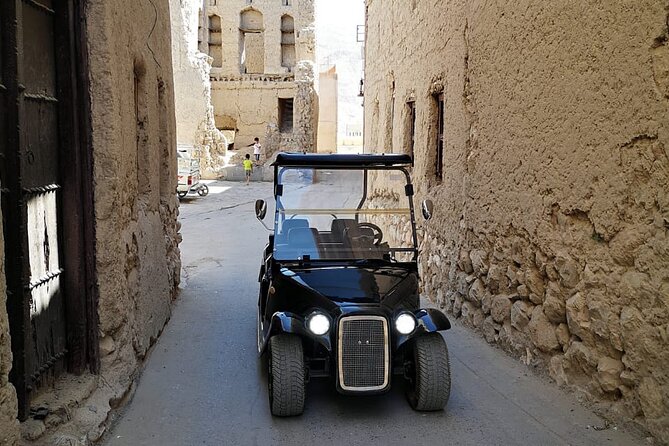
{"points": [[294, 223]]}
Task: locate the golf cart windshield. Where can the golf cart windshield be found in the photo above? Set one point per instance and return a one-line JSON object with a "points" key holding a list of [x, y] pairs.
{"points": [[343, 214]]}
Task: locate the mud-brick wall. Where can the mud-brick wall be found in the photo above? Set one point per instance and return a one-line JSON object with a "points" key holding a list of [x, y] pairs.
{"points": [[9, 425], [551, 234], [192, 89], [134, 152]]}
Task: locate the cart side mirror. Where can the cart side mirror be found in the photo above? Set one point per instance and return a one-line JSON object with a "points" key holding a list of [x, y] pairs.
{"points": [[261, 209], [427, 207]]}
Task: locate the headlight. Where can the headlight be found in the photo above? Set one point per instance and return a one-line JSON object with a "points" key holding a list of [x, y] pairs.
{"points": [[405, 323], [318, 324]]}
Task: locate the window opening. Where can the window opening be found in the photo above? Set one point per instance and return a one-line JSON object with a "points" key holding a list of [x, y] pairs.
{"points": [[201, 38], [142, 132], [286, 115], [215, 41], [288, 56], [439, 142], [167, 149], [251, 42], [411, 127]]}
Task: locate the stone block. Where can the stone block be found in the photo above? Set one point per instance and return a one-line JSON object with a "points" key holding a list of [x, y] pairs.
{"points": [[464, 262], [578, 317], [521, 312], [608, 373], [476, 291], [652, 399], [563, 335], [569, 271], [534, 281], [542, 332], [490, 330], [554, 304], [582, 357], [479, 261], [500, 309]]}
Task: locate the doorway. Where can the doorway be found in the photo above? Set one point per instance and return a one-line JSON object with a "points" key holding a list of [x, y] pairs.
{"points": [[47, 200]]}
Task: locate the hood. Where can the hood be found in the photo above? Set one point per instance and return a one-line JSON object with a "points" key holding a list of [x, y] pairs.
{"points": [[351, 285]]}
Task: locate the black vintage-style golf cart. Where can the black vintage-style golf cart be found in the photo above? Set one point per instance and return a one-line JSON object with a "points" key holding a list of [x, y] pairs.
{"points": [[339, 283]]}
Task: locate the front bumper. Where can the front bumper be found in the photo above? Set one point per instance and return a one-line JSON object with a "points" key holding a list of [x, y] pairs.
{"points": [[324, 355]]}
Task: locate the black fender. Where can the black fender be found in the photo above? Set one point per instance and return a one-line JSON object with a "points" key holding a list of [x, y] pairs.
{"points": [[291, 323], [429, 320]]}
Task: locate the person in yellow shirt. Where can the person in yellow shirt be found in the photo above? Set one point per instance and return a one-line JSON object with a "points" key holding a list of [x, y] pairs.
{"points": [[248, 168]]}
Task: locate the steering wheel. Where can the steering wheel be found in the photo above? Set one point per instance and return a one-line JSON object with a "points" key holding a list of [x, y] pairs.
{"points": [[378, 233]]}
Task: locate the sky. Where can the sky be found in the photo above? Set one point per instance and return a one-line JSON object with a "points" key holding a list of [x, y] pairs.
{"points": [[336, 22]]}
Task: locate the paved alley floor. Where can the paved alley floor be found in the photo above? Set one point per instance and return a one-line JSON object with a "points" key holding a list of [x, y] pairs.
{"points": [[203, 383]]}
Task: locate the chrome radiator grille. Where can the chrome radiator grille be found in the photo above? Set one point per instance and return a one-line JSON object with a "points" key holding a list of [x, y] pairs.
{"points": [[363, 353]]}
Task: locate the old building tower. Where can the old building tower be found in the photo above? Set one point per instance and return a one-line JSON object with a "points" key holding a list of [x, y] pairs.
{"points": [[262, 72]]}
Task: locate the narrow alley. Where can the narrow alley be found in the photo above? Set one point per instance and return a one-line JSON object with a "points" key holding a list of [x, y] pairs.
{"points": [[204, 385], [488, 175]]}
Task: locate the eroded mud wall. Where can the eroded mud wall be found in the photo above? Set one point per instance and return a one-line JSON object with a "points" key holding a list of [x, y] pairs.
{"points": [[9, 425], [551, 234], [134, 144], [192, 89]]}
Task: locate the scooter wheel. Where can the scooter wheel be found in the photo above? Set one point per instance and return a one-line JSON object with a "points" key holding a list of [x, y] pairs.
{"points": [[203, 191], [182, 194]]}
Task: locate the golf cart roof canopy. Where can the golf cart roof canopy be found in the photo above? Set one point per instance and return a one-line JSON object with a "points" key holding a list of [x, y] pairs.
{"points": [[341, 161]]}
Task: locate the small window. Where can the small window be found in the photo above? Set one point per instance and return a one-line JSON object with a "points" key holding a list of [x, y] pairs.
{"points": [[252, 42], [411, 127], [286, 115], [439, 141], [288, 55], [215, 41]]}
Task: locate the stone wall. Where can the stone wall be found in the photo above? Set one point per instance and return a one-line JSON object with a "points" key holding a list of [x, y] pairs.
{"points": [[9, 426], [551, 230], [192, 89]]}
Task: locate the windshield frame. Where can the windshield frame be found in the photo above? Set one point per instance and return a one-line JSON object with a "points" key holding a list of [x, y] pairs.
{"points": [[279, 170]]}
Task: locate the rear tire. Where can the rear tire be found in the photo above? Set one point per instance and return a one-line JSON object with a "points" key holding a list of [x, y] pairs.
{"points": [[431, 378], [182, 194], [286, 376]]}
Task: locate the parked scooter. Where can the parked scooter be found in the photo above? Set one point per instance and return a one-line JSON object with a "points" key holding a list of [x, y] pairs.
{"points": [[189, 180]]}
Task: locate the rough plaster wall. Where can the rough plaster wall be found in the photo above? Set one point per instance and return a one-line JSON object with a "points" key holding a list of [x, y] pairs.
{"points": [[192, 89], [551, 234], [251, 105], [328, 110], [306, 107], [9, 426], [251, 101], [254, 51]]}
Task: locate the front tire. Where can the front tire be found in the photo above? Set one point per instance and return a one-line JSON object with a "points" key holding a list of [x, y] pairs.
{"points": [[286, 376], [430, 385], [203, 191]]}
